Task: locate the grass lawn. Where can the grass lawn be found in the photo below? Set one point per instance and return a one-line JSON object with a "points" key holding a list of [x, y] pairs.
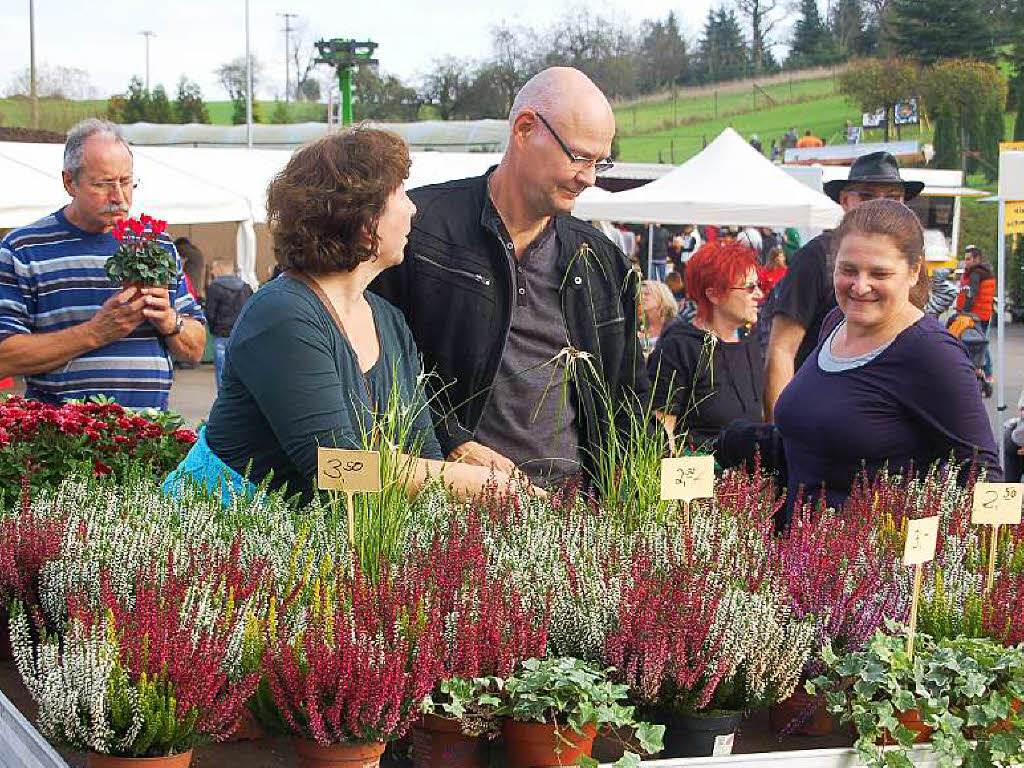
{"points": [[646, 117]]}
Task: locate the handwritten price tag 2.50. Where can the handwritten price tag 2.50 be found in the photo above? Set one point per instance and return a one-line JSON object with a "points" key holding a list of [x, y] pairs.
{"points": [[997, 504], [922, 536], [341, 470], [688, 478]]}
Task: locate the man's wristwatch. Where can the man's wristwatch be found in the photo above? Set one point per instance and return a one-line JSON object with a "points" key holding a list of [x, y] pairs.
{"points": [[179, 323]]}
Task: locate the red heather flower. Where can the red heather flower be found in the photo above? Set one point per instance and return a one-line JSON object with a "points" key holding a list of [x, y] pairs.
{"points": [[27, 543], [665, 646], [161, 636], [359, 671]]}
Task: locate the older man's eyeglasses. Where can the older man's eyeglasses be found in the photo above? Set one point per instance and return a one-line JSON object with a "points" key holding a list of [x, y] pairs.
{"points": [[578, 162]]}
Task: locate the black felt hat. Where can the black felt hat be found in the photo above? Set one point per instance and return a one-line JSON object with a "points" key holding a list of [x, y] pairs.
{"points": [[875, 168]]}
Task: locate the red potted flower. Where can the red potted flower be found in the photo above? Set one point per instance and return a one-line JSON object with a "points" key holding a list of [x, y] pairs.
{"points": [[140, 259]]}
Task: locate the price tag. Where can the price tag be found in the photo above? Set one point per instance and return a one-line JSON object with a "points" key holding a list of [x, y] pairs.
{"points": [[341, 470], [922, 536], [997, 504], [688, 478]]}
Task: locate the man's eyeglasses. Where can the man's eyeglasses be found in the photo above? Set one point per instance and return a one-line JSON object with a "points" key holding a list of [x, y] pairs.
{"points": [[109, 185], [578, 162]]}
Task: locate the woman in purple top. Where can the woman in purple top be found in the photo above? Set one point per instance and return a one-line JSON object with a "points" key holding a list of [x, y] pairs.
{"points": [[886, 383]]}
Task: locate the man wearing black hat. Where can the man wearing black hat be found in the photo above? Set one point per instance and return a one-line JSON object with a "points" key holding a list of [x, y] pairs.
{"points": [[805, 294]]}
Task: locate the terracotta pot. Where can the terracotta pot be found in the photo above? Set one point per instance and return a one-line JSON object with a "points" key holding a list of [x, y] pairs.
{"points": [[802, 715], [181, 760], [532, 745], [313, 755], [438, 742], [911, 720]]}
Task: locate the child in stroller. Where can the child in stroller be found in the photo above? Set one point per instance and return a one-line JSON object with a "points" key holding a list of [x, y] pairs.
{"points": [[966, 327]]}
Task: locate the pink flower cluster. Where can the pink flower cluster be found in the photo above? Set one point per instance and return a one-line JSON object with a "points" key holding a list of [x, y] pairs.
{"points": [[28, 541]]}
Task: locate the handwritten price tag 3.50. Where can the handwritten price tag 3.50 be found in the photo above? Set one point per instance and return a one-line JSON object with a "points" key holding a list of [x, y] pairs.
{"points": [[341, 470], [688, 478], [922, 536], [997, 504]]}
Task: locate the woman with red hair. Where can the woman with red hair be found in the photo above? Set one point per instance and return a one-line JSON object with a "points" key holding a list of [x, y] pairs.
{"points": [[707, 372]]}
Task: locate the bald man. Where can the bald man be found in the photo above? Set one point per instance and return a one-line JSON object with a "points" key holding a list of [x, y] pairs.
{"points": [[502, 289]]}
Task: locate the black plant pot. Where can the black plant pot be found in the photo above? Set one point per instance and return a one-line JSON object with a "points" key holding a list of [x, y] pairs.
{"points": [[701, 735]]}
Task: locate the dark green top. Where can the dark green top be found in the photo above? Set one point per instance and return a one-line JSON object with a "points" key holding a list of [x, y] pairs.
{"points": [[291, 383]]}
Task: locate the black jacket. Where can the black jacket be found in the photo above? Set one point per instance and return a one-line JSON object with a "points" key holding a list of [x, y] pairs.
{"points": [[705, 386], [225, 298], [455, 288]]}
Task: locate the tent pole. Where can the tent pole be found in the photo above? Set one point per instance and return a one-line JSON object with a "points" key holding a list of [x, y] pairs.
{"points": [[1001, 317], [650, 249]]}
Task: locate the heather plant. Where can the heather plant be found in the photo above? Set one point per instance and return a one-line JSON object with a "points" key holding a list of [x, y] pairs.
{"points": [[368, 653], [30, 537], [150, 676]]}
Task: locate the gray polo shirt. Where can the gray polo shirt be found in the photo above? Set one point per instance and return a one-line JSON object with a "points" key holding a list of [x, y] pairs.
{"points": [[530, 416]]}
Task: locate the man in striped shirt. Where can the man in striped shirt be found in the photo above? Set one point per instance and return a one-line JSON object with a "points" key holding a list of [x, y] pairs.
{"points": [[63, 325]]}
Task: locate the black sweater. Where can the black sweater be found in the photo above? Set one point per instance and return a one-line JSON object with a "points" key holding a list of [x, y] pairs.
{"points": [[704, 382]]}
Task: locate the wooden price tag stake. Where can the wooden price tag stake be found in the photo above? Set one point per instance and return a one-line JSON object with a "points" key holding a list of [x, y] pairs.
{"points": [[922, 536], [349, 471], [687, 478], [995, 504]]}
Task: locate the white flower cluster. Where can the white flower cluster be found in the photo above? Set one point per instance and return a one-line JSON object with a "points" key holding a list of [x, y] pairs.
{"points": [[70, 683], [765, 646]]}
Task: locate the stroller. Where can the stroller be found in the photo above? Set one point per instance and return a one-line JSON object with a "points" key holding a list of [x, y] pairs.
{"points": [[965, 327]]}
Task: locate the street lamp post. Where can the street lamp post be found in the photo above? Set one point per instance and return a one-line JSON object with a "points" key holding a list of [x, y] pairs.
{"points": [[33, 93], [248, 82], [146, 33]]}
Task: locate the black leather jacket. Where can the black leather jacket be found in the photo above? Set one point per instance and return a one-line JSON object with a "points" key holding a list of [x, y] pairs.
{"points": [[455, 288]]}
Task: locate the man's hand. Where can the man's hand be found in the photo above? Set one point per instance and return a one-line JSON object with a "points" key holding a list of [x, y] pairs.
{"points": [[476, 454], [159, 311], [119, 316]]}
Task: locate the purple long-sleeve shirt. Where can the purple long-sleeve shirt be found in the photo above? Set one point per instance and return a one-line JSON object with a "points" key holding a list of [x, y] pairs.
{"points": [[916, 402]]}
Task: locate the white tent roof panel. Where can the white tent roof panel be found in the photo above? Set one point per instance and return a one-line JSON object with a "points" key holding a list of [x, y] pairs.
{"points": [[729, 182]]}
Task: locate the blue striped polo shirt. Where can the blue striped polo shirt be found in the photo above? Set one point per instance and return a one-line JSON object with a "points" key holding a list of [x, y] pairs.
{"points": [[51, 277]]}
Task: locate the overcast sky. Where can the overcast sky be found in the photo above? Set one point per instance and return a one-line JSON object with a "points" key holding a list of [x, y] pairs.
{"points": [[195, 36]]}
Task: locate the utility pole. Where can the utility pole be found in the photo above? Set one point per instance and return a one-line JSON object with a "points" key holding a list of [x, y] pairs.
{"points": [[248, 82], [287, 43], [33, 93], [147, 34]]}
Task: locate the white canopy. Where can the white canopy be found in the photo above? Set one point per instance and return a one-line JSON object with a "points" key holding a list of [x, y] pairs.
{"points": [[185, 185], [729, 182]]}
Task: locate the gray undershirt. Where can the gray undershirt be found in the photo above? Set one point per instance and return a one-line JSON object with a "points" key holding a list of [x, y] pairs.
{"points": [[530, 416], [831, 363]]}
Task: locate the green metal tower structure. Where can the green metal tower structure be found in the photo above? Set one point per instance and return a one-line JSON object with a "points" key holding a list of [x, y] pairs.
{"points": [[344, 56]]}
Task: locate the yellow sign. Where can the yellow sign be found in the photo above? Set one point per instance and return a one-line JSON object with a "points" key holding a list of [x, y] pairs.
{"points": [[1013, 223], [688, 478], [922, 536], [996, 504], [1011, 146], [341, 470]]}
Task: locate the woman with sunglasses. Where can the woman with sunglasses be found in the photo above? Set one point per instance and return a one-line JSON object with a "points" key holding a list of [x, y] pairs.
{"points": [[707, 372]]}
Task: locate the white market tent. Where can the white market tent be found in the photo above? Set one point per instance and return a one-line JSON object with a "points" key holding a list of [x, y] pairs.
{"points": [[729, 182], [190, 186]]}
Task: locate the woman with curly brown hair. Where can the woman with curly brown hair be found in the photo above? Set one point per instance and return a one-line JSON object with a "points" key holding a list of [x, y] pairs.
{"points": [[314, 358]]}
